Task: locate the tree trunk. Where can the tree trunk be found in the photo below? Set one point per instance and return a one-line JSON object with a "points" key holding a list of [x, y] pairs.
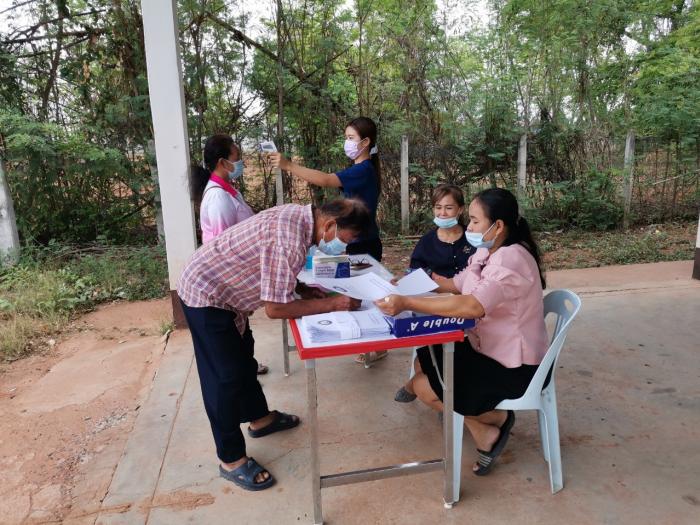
{"points": [[279, 186], [9, 239]]}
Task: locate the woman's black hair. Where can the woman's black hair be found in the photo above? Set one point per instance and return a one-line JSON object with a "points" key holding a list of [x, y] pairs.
{"points": [[499, 203], [349, 214], [366, 127], [217, 147], [443, 190]]}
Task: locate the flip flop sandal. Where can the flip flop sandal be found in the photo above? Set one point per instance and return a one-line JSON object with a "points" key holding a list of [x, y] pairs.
{"points": [[373, 356], [281, 422], [404, 396], [244, 476], [262, 369], [486, 459]]}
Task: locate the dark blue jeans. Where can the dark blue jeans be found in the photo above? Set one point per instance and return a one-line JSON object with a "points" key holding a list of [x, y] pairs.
{"points": [[228, 375]]}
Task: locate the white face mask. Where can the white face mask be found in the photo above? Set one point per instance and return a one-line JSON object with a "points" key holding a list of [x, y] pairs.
{"points": [[477, 239]]}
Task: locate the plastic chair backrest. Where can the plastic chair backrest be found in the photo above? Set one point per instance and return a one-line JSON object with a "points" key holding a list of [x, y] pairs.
{"points": [[564, 304]]}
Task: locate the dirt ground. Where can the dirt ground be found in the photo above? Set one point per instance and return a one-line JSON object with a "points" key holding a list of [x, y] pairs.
{"points": [[62, 407]]}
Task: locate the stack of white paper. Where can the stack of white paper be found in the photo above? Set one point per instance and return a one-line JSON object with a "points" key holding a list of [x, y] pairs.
{"points": [[339, 326]]}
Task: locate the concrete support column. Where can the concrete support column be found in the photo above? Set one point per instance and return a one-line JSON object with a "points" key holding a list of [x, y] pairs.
{"points": [[170, 132], [696, 266]]}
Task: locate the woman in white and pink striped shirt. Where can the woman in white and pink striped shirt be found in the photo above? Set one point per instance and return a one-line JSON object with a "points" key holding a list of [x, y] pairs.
{"points": [[220, 204]]}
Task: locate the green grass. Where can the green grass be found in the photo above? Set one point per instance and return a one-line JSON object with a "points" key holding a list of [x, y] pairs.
{"points": [[50, 285], [656, 243]]}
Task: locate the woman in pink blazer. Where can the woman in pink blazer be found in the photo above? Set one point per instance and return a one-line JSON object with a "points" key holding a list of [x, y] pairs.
{"points": [[502, 289]]}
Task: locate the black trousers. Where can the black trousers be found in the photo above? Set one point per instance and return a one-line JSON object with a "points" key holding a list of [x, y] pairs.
{"points": [[228, 375], [371, 246]]}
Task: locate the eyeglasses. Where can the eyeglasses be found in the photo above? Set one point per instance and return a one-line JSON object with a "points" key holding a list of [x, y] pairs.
{"points": [[360, 264]]}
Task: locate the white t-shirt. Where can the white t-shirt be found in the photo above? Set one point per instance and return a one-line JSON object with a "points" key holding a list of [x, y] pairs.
{"points": [[220, 210]]}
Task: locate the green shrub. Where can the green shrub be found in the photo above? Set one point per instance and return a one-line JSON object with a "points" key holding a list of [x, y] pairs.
{"points": [[590, 202], [52, 283]]}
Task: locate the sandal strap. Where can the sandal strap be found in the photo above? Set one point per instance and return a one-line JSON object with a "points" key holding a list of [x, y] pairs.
{"points": [[283, 417], [249, 470], [484, 458]]}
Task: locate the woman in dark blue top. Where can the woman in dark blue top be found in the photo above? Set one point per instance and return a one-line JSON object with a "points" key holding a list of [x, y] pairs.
{"points": [[361, 179], [444, 251]]}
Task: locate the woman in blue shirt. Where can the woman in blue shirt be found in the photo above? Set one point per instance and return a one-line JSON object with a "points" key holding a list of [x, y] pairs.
{"points": [[361, 180], [444, 251]]}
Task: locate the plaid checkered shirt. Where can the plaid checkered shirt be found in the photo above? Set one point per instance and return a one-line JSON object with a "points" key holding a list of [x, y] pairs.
{"points": [[252, 262]]}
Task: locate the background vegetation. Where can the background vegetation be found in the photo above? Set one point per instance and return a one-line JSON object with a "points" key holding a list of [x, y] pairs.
{"points": [[464, 80]]}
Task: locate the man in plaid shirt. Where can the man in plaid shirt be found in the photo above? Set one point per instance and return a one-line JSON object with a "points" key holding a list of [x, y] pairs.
{"points": [[250, 265]]}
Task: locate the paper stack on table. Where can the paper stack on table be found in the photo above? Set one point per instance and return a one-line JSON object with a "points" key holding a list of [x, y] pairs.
{"points": [[371, 287], [338, 326]]}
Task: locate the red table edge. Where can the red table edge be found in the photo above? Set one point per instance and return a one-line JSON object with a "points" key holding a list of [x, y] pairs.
{"points": [[371, 346]]}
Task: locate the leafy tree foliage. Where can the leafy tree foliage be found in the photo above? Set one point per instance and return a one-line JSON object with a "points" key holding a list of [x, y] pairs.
{"points": [[462, 83]]}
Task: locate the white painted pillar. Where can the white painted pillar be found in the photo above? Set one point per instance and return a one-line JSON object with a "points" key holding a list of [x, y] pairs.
{"points": [[696, 266], [170, 132]]}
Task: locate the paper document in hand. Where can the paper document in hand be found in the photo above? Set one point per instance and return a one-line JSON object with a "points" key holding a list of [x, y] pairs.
{"points": [[371, 287], [368, 286], [416, 283]]}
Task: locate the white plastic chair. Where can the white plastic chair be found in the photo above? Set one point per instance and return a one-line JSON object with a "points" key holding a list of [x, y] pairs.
{"points": [[564, 304]]}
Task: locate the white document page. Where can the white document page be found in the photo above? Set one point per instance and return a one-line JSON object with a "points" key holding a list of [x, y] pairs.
{"points": [[371, 287], [416, 283], [368, 286]]}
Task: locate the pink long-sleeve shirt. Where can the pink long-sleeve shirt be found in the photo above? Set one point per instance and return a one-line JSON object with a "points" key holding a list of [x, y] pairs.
{"points": [[220, 210], [507, 284]]}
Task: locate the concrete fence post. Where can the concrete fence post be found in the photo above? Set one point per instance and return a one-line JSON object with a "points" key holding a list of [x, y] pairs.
{"points": [[404, 185], [522, 164], [9, 239], [628, 178], [696, 265]]}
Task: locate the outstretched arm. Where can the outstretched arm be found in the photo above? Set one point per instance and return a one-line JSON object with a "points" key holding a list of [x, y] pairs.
{"points": [[465, 306], [316, 177]]}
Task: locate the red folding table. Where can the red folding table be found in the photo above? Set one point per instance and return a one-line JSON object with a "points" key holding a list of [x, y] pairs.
{"points": [[309, 353]]}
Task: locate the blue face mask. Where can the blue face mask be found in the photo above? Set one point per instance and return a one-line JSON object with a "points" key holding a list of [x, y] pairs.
{"points": [[237, 170], [477, 239], [445, 223], [333, 247]]}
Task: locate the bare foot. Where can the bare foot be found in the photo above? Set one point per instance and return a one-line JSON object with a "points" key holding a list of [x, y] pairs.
{"points": [[262, 422]]}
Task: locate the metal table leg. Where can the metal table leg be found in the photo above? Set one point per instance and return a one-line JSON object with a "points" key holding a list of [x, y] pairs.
{"points": [[448, 422], [312, 418], [285, 347]]}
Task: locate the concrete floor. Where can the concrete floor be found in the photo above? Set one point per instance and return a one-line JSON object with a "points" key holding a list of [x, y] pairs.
{"points": [[629, 412]]}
